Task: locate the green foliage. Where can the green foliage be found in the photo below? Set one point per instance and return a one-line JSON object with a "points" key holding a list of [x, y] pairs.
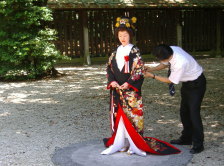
{"points": [[26, 43]]}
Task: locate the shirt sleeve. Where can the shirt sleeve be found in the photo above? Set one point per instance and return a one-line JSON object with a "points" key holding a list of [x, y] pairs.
{"points": [[110, 73]]}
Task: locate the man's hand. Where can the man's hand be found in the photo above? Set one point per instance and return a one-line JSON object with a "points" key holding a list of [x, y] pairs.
{"points": [[148, 69], [148, 74]]}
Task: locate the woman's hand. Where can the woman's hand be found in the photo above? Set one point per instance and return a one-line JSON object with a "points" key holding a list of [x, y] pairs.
{"points": [[114, 84], [124, 86]]}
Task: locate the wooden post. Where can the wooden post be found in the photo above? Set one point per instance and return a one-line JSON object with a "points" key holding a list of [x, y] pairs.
{"points": [[179, 35], [87, 60], [218, 33]]}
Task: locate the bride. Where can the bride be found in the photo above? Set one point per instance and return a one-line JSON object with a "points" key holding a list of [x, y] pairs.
{"points": [[125, 78]]}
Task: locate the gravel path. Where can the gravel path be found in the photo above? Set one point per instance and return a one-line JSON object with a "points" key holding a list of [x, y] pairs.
{"points": [[40, 116]]}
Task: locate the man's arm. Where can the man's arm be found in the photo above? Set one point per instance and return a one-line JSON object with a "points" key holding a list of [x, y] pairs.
{"points": [[156, 68], [159, 78]]}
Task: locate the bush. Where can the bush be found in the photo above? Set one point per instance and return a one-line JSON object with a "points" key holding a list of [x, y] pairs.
{"points": [[26, 43]]}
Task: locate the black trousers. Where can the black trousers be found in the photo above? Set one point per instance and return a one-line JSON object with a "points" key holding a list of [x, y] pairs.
{"points": [[192, 93]]}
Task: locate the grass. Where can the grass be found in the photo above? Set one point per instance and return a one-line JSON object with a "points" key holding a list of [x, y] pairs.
{"points": [[146, 58], [96, 61]]}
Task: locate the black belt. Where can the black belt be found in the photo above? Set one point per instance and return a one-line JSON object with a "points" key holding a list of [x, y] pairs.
{"points": [[192, 83]]}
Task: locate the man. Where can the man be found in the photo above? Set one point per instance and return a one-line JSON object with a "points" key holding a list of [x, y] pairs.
{"points": [[184, 69]]}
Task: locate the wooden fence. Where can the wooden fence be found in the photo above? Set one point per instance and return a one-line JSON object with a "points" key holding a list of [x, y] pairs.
{"points": [[199, 30], [69, 28]]}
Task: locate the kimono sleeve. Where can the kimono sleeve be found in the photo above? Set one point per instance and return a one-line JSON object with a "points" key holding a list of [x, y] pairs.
{"points": [[136, 79], [110, 73]]}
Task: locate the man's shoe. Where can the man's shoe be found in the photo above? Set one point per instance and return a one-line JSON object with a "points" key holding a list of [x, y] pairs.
{"points": [[196, 150], [180, 142]]}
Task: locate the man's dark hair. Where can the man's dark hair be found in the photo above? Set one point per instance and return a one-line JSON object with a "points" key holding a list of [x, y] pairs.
{"points": [[162, 51]]}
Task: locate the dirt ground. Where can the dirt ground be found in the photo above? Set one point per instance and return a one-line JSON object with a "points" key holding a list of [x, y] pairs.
{"points": [[38, 117]]}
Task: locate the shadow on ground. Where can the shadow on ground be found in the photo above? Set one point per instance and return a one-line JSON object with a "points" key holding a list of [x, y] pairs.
{"points": [[88, 153]]}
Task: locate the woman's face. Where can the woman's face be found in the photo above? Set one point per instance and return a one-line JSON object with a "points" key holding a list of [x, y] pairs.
{"points": [[124, 37]]}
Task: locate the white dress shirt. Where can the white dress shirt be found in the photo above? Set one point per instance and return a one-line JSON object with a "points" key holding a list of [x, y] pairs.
{"points": [[183, 66]]}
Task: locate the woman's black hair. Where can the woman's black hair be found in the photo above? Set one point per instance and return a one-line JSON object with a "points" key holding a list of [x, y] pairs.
{"points": [[162, 51]]}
